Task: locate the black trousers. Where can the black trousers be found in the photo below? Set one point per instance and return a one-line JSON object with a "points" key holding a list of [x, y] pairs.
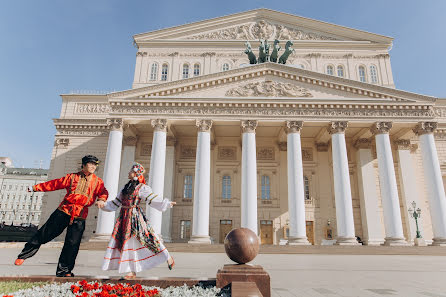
{"points": [[53, 227]]}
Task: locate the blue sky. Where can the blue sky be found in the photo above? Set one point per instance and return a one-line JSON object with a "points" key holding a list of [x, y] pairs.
{"points": [[53, 47]]}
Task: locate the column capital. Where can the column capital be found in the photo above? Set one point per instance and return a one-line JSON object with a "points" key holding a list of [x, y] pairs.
{"points": [[337, 127], [115, 124], [204, 125], [159, 125], [381, 128], [425, 128], [130, 140], [363, 143], [249, 126], [294, 126]]}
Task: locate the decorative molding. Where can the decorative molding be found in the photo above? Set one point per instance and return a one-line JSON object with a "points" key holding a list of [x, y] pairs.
{"points": [[425, 128], [283, 146], [227, 153], [159, 125], [130, 141], [91, 108], [381, 128], [268, 89], [188, 152], [115, 124], [275, 110], [62, 142], [204, 125], [322, 146], [440, 112], [84, 127], [265, 153], [146, 149], [260, 30], [294, 126], [337, 127], [307, 154], [363, 143], [249, 126], [403, 144]]}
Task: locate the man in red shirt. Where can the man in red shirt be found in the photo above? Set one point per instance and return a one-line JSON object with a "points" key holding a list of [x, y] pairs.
{"points": [[83, 188]]}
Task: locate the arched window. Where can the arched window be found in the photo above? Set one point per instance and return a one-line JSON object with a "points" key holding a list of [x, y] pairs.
{"points": [[340, 71], [306, 188], [330, 70], [361, 72], [266, 188], [188, 182], [185, 71], [164, 71], [226, 187], [154, 72], [373, 75], [225, 67], [196, 69]]}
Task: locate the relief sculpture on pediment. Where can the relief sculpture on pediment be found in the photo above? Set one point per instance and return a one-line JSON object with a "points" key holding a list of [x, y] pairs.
{"points": [[260, 30], [268, 89]]}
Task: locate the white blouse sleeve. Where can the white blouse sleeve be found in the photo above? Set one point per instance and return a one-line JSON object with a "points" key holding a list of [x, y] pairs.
{"points": [[146, 194], [113, 205]]}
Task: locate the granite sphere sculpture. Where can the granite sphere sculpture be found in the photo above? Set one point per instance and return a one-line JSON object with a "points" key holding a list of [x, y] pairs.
{"points": [[242, 245]]}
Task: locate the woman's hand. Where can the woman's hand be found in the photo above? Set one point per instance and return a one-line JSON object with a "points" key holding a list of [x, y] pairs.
{"points": [[172, 204], [100, 203]]}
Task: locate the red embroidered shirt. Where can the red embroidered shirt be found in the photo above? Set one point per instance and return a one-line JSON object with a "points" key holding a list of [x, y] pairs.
{"points": [[82, 192]]}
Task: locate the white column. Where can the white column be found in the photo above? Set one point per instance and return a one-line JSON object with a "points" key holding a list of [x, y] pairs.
{"points": [[128, 158], [200, 221], [370, 213], [296, 194], [389, 190], [434, 182], [156, 174], [249, 176], [168, 191], [343, 195], [106, 220], [408, 185]]}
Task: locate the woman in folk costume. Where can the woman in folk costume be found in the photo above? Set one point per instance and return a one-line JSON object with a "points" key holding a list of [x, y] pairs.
{"points": [[134, 245]]}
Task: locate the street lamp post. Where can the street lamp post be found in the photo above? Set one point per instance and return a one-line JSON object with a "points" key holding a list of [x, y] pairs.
{"points": [[415, 213]]}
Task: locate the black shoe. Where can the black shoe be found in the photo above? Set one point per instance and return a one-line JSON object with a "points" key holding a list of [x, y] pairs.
{"points": [[70, 274]]}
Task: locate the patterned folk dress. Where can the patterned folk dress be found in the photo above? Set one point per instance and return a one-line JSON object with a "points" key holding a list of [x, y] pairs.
{"points": [[134, 246]]}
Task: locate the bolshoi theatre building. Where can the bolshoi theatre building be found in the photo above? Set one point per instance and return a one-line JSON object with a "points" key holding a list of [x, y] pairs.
{"points": [[318, 149]]}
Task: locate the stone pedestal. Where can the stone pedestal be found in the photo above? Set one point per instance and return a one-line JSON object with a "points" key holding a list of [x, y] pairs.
{"points": [[231, 273], [419, 242]]}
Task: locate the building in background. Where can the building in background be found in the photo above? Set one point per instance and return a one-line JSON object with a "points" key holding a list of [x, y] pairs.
{"points": [[321, 148], [17, 206]]}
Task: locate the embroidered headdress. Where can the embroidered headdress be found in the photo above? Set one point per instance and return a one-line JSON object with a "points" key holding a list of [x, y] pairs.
{"points": [[139, 170]]}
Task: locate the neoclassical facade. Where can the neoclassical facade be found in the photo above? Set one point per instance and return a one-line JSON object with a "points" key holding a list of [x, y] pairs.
{"points": [[319, 150]]}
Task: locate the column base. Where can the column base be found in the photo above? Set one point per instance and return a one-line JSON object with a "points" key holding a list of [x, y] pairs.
{"points": [[346, 241], [374, 242], [419, 242], [100, 238], [298, 241], [439, 241], [200, 240], [395, 241]]}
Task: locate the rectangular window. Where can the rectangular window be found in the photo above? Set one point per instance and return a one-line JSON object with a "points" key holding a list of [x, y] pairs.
{"points": [[266, 188], [164, 70], [226, 187], [185, 229], [188, 184], [307, 188]]}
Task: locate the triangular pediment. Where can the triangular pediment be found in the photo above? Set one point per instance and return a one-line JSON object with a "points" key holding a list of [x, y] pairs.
{"points": [[261, 24], [275, 82]]}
